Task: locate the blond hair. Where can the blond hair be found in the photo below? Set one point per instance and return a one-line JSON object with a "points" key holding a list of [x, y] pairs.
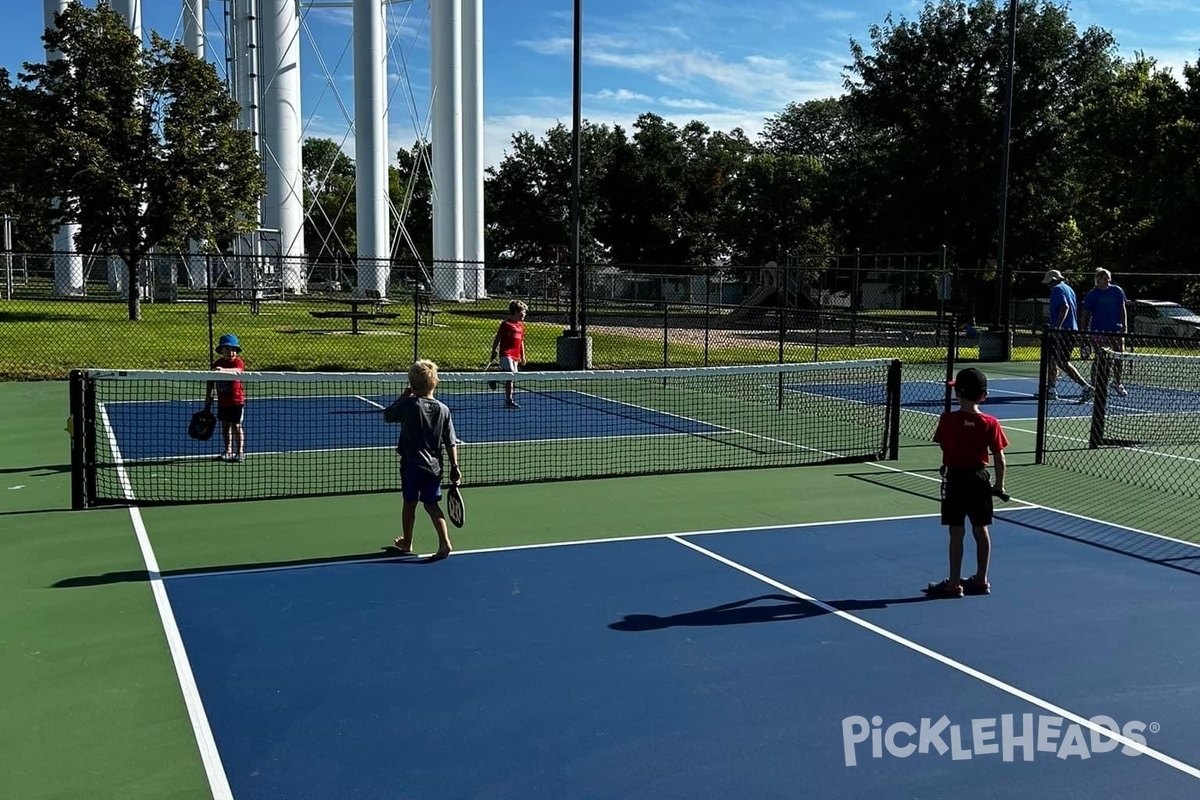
{"points": [[423, 377]]}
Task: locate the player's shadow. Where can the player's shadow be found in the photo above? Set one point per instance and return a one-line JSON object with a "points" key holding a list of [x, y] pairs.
{"points": [[785, 608], [387, 555]]}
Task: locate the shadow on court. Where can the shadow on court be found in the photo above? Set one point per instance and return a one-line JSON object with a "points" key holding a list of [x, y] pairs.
{"points": [[1159, 550], [384, 555], [785, 608]]}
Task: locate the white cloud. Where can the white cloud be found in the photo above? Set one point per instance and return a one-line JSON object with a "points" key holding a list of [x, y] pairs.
{"points": [[621, 96]]}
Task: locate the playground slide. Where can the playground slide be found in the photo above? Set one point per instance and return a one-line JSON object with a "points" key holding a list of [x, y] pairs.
{"points": [[756, 298]]}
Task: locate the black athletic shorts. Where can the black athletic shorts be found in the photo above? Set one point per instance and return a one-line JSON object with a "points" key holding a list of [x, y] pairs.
{"points": [[1062, 346], [966, 494], [231, 414]]}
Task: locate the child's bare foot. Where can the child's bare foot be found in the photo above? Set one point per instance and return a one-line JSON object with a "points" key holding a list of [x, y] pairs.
{"points": [[443, 552], [403, 546]]}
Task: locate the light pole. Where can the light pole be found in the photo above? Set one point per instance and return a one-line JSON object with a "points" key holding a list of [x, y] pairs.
{"points": [[1003, 271], [577, 112]]}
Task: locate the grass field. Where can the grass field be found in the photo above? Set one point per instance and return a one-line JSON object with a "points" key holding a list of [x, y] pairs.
{"points": [[47, 339]]}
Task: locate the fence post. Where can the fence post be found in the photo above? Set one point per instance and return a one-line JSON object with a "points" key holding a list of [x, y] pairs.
{"points": [[666, 333], [855, 291], [212, 304], [8, 256], [707, 311], [951, 361], [781, 290], [417, 319]]}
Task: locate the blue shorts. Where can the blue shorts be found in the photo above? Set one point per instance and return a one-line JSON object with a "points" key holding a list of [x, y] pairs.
{"points": [[420, 486]]}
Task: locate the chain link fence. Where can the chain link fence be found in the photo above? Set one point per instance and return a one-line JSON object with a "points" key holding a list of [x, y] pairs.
{"points": [[61, 312]]}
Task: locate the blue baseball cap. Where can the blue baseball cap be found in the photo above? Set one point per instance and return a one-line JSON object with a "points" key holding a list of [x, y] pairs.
{"points": [[229, 340]]}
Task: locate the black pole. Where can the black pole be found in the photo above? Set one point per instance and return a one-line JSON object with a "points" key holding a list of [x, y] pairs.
{"points": [[212, 304], [577, 111], [1003, 272]]}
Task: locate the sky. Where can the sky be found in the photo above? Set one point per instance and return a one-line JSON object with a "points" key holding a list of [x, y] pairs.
{"points": [[727, 64]]}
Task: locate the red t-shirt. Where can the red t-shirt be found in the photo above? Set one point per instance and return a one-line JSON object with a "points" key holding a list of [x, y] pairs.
{"points": [[230, 393], [967, 438], [512, 336]]}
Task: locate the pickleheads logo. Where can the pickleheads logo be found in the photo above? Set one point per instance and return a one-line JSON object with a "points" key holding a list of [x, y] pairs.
{"points": [[1005, 737]]}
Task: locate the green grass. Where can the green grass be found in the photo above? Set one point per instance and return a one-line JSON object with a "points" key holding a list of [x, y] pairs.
{"points": [[47, 339]]}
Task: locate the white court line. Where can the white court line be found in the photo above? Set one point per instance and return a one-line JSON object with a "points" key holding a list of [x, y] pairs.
{"points": [[166, 459], [1028, 505], [369, 401], [1141, 450], [217, 781], [995, 683], [719, 428], [567, 543]]}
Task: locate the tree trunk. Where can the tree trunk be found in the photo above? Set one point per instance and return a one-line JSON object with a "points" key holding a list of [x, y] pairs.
{"points": [[135, 290]]}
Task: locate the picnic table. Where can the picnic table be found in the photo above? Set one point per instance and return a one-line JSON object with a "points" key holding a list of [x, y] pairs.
{"points": [[354, 314]]}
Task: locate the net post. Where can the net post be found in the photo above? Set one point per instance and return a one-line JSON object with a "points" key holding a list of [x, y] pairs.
{"points": [[1102, 367], [895, 381], [1039, 447], [88, 433], [75, 428]]}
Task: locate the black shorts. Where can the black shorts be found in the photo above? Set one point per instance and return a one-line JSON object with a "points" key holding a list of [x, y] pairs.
{"points": [[231, 414], [966, 494], [1062, 345]]}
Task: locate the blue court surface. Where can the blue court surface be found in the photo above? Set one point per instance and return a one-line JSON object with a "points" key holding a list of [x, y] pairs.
{"points": [[693, 666], [158, 430]]}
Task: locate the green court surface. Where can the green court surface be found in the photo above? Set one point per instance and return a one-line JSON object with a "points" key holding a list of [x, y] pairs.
{"points": [[93, 704]]}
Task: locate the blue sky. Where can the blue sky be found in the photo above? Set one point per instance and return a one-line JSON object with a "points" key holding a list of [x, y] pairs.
{"points": [[729, 64]]}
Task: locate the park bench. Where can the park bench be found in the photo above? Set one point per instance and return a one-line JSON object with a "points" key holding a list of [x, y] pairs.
{"points": [[426, 311]]}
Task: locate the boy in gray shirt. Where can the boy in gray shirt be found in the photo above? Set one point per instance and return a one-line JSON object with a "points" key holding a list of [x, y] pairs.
{"points": [[425, 429]]}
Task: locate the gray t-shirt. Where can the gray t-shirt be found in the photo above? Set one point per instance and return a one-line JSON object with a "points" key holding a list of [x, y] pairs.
{"points": [[425, 428]]}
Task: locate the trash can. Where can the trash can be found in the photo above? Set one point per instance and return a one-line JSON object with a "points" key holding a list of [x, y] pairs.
{"points": [[995, 345], [574, 352]]}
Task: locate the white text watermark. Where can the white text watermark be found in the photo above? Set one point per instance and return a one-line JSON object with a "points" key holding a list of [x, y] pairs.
{"points": [[1008, 736]]}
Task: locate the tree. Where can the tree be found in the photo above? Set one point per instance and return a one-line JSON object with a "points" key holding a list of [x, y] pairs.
{"points": [[329, 199], [143, 144], [410, 186], [26, 203], [929, 101]]}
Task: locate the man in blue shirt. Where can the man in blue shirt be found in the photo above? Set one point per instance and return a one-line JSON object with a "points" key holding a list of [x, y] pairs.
{"points": [[1063, 319], [1105, 314]]}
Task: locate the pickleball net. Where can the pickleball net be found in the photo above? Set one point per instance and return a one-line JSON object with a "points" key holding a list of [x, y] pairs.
{"points": [[323, 433], [1134, 446]]}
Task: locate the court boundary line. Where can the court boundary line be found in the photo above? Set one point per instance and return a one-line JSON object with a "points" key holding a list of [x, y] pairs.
{"points": [[210, 756], [721, 429], [139, 462], [1142, 450], [945, 660], [552, 545], [1028, 505]]}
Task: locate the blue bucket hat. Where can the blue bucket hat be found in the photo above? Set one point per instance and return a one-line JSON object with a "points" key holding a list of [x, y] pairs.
{"points": [[229, 340]]}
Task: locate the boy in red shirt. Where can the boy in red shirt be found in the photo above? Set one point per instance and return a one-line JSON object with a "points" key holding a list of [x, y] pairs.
{"points": [[509, 346], [231, 398], [967, 436]]}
